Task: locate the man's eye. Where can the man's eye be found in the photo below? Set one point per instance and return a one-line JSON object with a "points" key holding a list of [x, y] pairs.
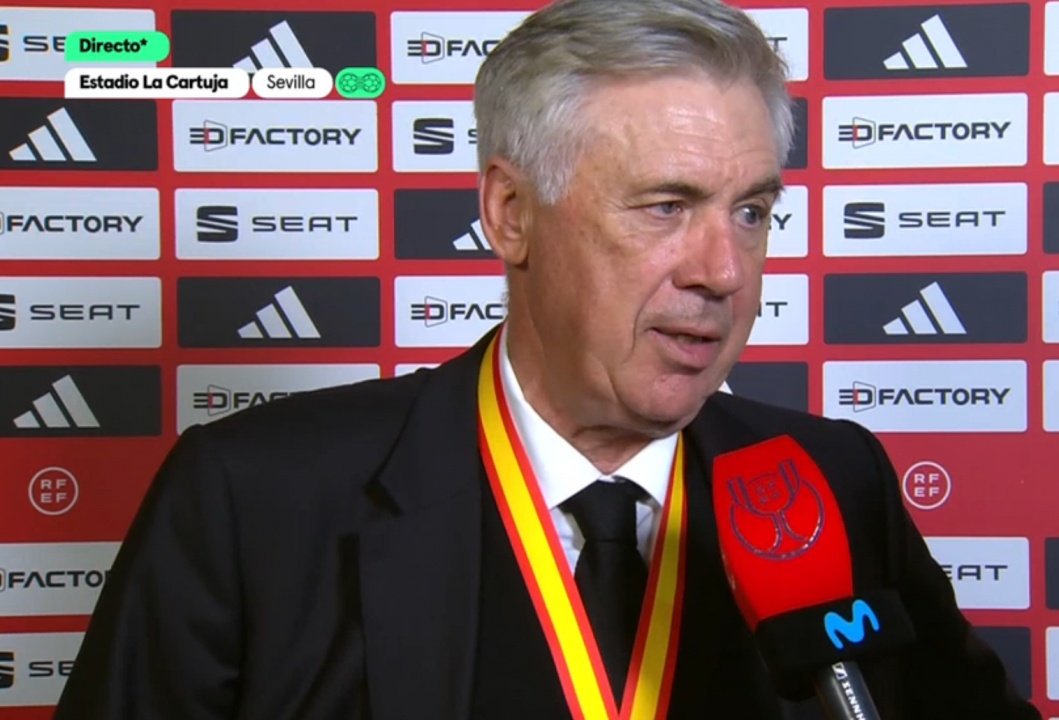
{"points": [[753, 216], [667, 209]]}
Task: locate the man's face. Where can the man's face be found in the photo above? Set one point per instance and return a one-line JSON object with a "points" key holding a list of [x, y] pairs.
{"points": [[643, 282]]}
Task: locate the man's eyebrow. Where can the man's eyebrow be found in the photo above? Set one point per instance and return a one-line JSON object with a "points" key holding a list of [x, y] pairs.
{"points": [[769, 186], [675, 187]]}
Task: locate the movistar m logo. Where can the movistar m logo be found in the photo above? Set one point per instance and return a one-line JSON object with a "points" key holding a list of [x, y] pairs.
{"points": [[840, 630]]}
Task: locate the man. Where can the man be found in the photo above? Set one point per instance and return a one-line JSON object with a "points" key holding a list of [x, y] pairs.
{"points": [[427, 547]]}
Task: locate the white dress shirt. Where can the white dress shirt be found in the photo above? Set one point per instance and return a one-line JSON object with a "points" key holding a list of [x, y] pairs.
{"points": [[562, 471]]}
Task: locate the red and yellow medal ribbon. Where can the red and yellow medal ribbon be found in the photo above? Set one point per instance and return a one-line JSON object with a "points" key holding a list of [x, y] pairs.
{"points": [[551, 584]]}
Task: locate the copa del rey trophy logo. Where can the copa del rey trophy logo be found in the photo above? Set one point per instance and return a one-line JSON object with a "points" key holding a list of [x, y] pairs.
{"points": [[775, 514]]}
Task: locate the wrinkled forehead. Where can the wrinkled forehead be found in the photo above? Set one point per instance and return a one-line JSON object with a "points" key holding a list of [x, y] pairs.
{"points": [[678, 121]]}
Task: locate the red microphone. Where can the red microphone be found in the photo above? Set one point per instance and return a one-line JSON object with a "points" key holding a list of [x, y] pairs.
{"points": [[785, 550]]}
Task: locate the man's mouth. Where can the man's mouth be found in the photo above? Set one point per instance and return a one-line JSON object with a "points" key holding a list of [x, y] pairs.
{"points": [[686, 338], [690, 336]]}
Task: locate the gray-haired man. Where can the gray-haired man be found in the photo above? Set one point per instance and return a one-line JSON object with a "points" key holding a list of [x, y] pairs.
{"points": [[481, 540]]}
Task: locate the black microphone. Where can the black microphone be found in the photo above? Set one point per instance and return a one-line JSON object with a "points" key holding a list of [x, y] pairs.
{"points": [[785, 550]]}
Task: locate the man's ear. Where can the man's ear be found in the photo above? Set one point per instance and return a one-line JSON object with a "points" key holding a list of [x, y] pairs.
{"points": [[504, 204]]}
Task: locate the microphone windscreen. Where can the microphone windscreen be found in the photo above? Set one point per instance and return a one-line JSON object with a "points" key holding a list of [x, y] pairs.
{"points": [[785, 550], [782, 537]]}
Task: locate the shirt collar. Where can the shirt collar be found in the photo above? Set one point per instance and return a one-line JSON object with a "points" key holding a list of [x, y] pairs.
{"points": [[561, 470]]}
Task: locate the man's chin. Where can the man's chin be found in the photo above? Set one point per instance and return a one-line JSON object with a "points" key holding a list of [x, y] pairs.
{"points": [[666, 416]]}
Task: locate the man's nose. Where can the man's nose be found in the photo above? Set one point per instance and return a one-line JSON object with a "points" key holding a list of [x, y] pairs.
{"points": [[713, 257]]}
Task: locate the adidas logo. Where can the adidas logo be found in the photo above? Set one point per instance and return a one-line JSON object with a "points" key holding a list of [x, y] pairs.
{"points": [[61, 407], [931, 314], [929, 49], [284, 317], [473, 239], [279, 49], [58, 140]]}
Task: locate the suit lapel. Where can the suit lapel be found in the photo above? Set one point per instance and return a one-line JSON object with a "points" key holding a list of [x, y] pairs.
{"points": [[707, 681], [420, 559], [715, 431], [420, 554]]}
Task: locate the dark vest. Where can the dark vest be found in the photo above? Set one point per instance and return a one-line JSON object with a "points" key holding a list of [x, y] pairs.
{"points": [[718, 675]]}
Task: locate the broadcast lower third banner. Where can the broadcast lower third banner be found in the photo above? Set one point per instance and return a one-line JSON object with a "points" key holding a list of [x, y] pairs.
{"points": [[37, 37], [120, 82], [272, 39]]}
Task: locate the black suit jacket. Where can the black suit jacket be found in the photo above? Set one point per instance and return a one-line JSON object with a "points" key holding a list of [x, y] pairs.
{"points": [[318, 558]]}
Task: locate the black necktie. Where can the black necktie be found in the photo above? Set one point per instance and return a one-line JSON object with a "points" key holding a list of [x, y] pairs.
{"points": [[610, 573]]}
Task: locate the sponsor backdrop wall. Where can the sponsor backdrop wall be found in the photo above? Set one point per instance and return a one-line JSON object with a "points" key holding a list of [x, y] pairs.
{"points": [[170, 262]]}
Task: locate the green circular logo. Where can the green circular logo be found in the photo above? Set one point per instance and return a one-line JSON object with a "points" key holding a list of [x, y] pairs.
{"points": [[360, 83]]}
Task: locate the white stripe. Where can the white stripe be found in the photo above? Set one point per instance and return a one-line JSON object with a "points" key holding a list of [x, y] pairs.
{"points": [[896, 62], [895, 327], [266, 55], [246, 64], [920, 54], [71, 136], [49, 411], [943, 43], [22, 153], [75, 402], [288, 43], [464, 242], [250, 331], [477, 234], [296, 313], [917, 317], [943, 310], [473, 239], [26, 420], [45, 144], [270, 319]]}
